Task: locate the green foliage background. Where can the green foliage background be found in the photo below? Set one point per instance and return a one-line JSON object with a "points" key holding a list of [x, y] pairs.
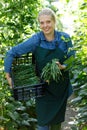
{"points": [[80, 69], [18, 21]]}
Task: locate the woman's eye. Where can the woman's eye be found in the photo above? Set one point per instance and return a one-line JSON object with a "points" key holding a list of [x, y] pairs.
{"points": [[48, 21], [41, 23]]}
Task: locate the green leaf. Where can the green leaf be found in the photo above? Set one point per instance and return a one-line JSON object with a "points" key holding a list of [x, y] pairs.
{"points": [[14, 115], [76, 100], [21, 108], [26, 123]]}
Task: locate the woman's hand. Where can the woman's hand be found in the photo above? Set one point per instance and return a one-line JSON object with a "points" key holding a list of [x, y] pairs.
{"points": [[62, 67], [9, 79]]}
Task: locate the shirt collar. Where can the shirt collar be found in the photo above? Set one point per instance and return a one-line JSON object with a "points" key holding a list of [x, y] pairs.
{"points": [[43, 37]]}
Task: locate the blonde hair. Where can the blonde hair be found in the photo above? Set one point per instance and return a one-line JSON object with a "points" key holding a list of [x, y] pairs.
{"points": [[47, 11]]}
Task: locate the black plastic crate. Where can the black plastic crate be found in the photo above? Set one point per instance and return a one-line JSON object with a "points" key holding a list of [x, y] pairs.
{"points": [[27, 92], [22, 91]]}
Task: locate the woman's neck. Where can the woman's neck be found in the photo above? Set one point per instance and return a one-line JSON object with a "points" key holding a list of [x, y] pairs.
{"points": [[49, 37]]}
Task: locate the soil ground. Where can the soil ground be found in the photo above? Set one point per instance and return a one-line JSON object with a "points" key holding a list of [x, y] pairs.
{"points": [[70, 114]]}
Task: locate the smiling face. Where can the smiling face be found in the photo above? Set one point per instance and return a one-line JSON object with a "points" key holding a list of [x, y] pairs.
{"points": [[47, 24]]}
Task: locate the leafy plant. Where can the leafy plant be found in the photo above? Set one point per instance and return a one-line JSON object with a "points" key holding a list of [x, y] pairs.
{"points": [[80, 69], [51, 71], [18, 20]]}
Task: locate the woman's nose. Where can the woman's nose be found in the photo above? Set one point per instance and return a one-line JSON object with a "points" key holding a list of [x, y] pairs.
{"points": [[45, 24]]}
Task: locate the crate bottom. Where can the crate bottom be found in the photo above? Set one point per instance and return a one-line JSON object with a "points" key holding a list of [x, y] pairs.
{"points": [[27, 92]]}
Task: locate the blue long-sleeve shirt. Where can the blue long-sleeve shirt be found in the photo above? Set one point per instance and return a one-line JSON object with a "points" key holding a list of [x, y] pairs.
{"points": [[62, 40]]}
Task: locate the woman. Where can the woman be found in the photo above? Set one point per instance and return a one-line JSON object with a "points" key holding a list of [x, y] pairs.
{"points": [[46, 45]]}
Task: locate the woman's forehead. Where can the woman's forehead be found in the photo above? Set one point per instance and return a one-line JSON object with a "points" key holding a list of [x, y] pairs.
{"points": [[45, 17]]}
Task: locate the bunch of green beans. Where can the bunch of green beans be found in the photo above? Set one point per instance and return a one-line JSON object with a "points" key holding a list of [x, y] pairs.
{"points": [[24, 75], [51, 71]]}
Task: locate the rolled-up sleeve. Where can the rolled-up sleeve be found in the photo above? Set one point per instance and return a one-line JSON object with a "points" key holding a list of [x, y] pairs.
{"points": [[18, 50]]}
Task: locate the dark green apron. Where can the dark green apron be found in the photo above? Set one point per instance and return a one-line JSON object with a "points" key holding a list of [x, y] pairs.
{"points": [[51, 107]]}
